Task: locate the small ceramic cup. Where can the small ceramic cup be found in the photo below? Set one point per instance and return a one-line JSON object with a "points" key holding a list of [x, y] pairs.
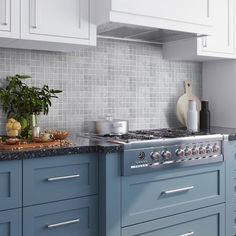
{"points": [[46, 137]]}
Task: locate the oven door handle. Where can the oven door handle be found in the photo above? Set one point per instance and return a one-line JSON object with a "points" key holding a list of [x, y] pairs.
{"points": [[179, 190]]}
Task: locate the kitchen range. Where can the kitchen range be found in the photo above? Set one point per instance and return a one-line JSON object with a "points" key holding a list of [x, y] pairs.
{"points": [[146, 151], [163, 181]]}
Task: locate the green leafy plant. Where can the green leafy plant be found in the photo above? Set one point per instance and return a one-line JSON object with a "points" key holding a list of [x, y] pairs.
{"points": [[20, 101]]}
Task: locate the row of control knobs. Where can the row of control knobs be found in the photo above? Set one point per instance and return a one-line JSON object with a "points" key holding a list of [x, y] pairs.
{"points": [[187, 152]]}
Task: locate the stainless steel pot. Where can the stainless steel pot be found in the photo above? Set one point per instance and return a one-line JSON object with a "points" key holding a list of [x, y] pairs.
{"points": [[111, 126]]}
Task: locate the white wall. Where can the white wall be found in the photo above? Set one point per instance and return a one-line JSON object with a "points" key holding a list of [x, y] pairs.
{"points": [[219, 87]]}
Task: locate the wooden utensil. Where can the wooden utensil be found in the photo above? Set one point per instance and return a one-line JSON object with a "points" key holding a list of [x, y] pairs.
{"points": [[32, 145], [182, 103]]}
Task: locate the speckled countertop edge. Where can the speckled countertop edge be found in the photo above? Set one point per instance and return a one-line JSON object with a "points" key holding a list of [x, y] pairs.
{"points": [[52, 152]]}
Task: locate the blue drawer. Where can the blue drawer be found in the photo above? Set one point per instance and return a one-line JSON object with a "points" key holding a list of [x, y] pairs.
{"points": [[70, 217], [11, 223], [10, 184], [58, 178], [151, 196], [209, 221]]}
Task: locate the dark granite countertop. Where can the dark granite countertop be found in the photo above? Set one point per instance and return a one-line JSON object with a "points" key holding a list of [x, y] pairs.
{"points": [[231, 132], [79, 145], [86, 145]]}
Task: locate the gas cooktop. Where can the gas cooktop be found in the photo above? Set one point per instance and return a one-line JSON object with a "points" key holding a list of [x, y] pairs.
{"points": [[154, 134]]}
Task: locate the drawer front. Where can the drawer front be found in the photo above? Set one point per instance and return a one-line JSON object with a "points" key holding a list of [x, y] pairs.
{"points": [[11, 223], [147, 197], [10, 184], [209, 221], [70, 217], [59, 178]]}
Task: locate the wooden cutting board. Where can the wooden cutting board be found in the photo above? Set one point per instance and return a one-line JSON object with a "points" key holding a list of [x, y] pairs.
{"points": [[182, 103], [30, 145]]}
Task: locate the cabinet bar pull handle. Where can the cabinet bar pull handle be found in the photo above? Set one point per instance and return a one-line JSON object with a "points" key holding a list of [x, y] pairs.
{"points": [[34, 24], [64, 177], [79, 13], [63, 223], [188, 234], [179, 190], [204, 42], [5, 13]]}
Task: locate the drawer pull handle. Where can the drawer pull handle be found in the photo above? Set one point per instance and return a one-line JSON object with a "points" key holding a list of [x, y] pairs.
{"points": [[64, 177], [179, 190], [188, 234], [63, 223], [5, 13], [34, 14]]}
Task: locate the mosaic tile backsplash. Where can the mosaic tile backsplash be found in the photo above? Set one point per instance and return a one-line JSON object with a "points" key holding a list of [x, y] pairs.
{"points": [[127, 80]]}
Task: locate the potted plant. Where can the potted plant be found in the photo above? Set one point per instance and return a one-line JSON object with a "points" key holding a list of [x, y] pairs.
{"points": [[24, 102]]}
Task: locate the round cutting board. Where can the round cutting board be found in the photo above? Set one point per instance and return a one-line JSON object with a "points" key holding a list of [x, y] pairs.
{"points": [[182, 103]]}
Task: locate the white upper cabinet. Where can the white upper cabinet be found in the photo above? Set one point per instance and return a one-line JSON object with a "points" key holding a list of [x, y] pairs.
{"points": [[55, 20], [183, 15], [60, 25], [219, 45], [9, 18]]}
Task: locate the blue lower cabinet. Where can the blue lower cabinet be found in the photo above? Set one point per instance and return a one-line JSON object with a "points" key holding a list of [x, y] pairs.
{"points": [[10, 184], [208, 221], [11, 223], [64, 218], [59, 178], [148, 197]]}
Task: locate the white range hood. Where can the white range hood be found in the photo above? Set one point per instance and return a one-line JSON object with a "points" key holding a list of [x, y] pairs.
{"points": [[153, 21], [141, 33]]}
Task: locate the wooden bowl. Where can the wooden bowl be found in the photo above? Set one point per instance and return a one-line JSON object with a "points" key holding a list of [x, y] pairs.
{"points": [[12, 141], [60, 135]]}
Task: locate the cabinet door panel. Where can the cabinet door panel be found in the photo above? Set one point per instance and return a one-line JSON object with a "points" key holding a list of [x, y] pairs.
{"points": [[55, 18], [222, 39], [10, 223], [205, 222], [153, 201], [52, 179], [189, 11], [10, 184], [73, 218], [9, 18]]}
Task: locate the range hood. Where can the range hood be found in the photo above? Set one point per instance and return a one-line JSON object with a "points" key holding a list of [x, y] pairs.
{"points": [[141, 33]]}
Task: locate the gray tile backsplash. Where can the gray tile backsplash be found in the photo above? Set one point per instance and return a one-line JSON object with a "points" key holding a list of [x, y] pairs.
{"points": [[127, 80]]}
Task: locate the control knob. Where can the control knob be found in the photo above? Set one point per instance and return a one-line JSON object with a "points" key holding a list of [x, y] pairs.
{"points": [[187, 152], [179, 152], [202, 150], [166, 155], [156, 156], [209, 149], [141, 156], [215, 148], [195, 151]]}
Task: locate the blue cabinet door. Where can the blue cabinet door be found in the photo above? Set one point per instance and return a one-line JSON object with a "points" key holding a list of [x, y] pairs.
{"points": [[11, 223], [208, 221], [230, 158], [64, 218], [10, 184], [59, 178], [151, 196]]}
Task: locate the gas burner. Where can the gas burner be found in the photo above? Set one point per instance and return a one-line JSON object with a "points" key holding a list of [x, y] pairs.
{"points": [[154, 134]]}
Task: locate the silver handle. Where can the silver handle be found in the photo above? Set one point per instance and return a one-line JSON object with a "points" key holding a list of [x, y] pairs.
{"points": [[63, 223], [79, 13], [188, 234], [4, 22], [64, 177], [177, 190], [204, 42], [34, 14]]}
